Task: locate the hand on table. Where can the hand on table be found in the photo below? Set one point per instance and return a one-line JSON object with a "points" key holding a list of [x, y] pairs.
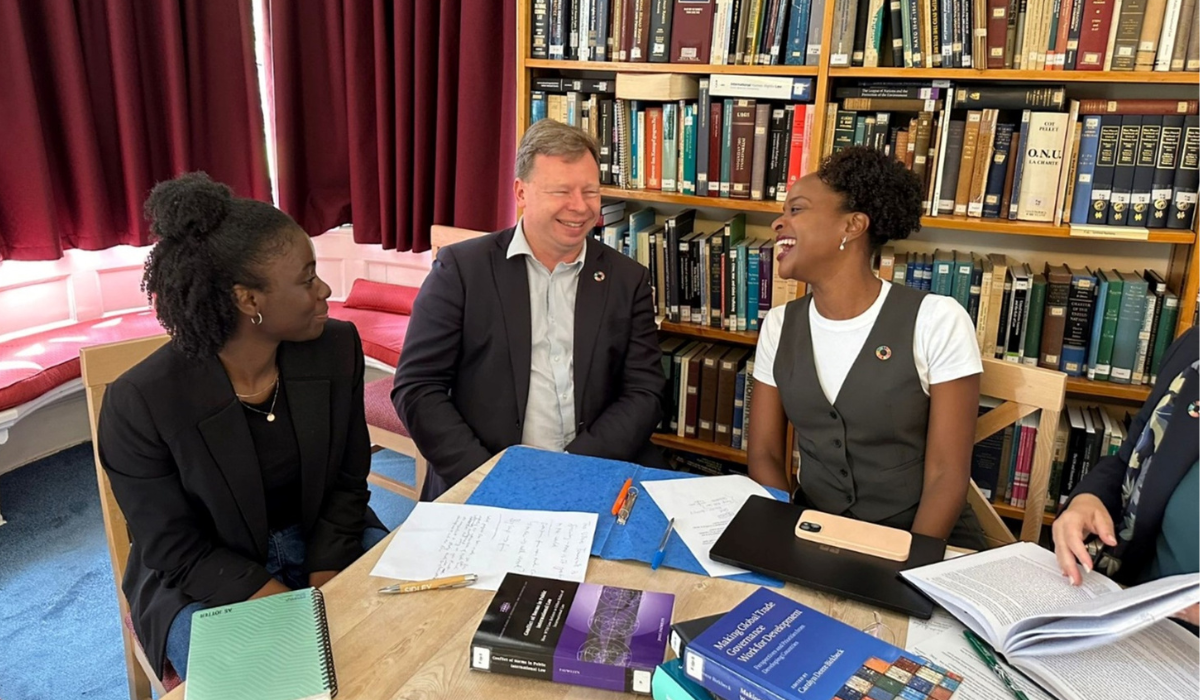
{"points": [[1086, 516]]}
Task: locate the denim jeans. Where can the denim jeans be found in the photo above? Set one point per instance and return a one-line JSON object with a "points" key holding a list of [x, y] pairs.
{"points": [[285, 562]]}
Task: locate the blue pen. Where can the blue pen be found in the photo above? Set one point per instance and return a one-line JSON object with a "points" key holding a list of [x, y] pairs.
{"points": [[662, 546]]}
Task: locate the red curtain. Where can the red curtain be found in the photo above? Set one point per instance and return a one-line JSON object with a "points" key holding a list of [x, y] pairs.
{"points": [[100, 99], [394, 115]]}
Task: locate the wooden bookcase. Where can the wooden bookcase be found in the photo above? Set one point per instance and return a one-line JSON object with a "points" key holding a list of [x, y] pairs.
{"points": [[1182, 266]]}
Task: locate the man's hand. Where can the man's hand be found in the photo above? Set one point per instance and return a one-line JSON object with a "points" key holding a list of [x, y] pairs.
{"points": [[1189, 615], [1086, 516], [319, 578]]}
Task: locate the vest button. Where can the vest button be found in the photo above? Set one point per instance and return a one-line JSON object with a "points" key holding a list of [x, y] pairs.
{"points": [[849, 499], [845, 473], [833, 415], [837, 442]]}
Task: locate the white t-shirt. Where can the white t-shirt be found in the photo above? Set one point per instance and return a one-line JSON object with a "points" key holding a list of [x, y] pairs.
{"points": [[944, 344]]}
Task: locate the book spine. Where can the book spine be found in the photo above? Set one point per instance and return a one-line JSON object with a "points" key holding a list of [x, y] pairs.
{"points": [[1089, 144], [1187, 176], [1166, 333], [1165, 162], [1106, 162], [1143, 172], [1108, 329], [721, 680], [1122, 187]]}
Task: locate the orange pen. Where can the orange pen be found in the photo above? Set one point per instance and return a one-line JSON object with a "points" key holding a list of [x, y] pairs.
{"points": [[621, 496]]}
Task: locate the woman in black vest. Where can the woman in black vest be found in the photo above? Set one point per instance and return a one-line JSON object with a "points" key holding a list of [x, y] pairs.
{"points": [[238, 451], [880, 380]]}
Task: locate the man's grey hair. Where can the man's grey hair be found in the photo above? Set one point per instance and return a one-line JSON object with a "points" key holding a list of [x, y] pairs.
{"points": [[550, 138]]}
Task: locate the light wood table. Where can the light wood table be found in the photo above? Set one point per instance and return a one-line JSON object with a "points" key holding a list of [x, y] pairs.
{"points": [[417, 645]]}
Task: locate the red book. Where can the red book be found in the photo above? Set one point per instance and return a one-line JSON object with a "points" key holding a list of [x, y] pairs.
{"points": [[997, 31], [1093, 36], [715, 118], [691, 31], [799, 142]]}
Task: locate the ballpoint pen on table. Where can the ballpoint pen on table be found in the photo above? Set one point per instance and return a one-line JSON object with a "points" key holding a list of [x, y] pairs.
{"points": [[662, 546], [431, 585], [621, 496], [986, 655]]}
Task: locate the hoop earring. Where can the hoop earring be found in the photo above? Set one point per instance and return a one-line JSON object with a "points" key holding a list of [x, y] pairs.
{"points": [[840, 247], [257, 321]]}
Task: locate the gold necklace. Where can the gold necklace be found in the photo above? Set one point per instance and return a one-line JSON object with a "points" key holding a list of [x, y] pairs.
{"points": [[270, 412], [246, 396]]}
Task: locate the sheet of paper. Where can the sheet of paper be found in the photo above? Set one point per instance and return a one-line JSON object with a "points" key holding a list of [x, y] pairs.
{"points": [[446, 539], [940, 640], [702, 509]]}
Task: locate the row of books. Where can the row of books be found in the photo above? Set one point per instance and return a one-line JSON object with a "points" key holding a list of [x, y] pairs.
{"points": [[1109, 35], [1095, 35], [1128, 163], [715, 32], [1106, 325], [711, 144], [1001, 464], [709, 386], [704, 274]]}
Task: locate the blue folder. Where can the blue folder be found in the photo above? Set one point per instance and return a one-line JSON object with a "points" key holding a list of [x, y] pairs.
{"points": [[530, 479]]}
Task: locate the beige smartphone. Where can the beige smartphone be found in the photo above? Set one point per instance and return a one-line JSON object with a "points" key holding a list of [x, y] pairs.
{"points": [[855, 535]]}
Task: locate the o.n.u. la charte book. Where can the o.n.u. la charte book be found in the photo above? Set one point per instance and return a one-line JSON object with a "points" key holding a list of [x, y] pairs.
{"points": [[273, 648], [1068, 638], [578, 633], [772, 648]]}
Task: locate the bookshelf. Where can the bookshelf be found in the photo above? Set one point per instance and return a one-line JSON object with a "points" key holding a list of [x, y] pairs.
{"points": [[1176, 251]]}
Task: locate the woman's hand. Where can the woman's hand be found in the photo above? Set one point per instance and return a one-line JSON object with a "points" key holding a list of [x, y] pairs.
{"points": [[319, 578], [1189, 615], [1085, 516]]}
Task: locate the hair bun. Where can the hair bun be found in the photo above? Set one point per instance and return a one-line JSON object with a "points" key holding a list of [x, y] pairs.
{"points": [[190, 206]]}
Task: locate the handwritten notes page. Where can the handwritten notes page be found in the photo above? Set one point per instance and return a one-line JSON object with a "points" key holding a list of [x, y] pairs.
{"points": [[447, 539], [702, 509]]}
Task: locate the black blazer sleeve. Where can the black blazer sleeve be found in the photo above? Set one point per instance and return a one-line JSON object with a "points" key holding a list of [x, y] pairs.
{"points": [[625, 426], [335, 540], [146, 483], [426, 374], [1104, 480]]}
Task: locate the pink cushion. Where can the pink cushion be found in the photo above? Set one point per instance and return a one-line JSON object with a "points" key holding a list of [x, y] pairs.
{"points": [[380, 296], [34, 364], [382, 333], [381, 413]]}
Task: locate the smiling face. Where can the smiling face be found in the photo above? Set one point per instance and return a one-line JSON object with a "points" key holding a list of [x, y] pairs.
{"points": [[561, 203], [810, 230], [294, 304]]}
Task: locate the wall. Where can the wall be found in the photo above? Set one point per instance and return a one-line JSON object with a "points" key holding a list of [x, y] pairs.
{"points": [[86, 285]]}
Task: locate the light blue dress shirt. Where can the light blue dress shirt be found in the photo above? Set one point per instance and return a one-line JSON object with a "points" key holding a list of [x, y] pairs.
{"points": [[550, 409]]}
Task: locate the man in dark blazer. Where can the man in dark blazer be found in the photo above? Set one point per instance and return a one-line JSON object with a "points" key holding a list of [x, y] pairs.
{"points": [[533, 335]]}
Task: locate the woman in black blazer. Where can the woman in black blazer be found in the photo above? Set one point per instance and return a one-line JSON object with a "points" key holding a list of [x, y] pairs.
{"points": [[1134, 516], [238, 451]]}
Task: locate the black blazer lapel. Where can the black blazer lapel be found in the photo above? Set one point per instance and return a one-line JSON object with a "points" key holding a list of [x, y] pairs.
{"points": [[512, 284], [590, 298], [308, 402], [228, 439]]}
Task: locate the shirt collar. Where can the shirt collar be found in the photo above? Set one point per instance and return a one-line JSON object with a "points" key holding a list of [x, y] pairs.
{"points": [[520, 246]]}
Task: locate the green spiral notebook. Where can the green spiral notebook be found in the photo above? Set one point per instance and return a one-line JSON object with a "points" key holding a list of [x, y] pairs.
{"points": [[273, 648]]}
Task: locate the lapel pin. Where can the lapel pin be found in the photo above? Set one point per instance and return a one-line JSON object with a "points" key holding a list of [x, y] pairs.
{"points": [[1194, 409], [883, 352], [599, 276]]}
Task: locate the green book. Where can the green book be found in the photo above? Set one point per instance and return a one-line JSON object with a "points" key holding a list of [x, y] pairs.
{"points": [[1129, 325], [1033, 332], [1166, 332], [1108, 331], [273, 648]]}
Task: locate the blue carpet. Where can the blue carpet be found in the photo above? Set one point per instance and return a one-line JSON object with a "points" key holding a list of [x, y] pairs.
{"points": [[60, 636]]}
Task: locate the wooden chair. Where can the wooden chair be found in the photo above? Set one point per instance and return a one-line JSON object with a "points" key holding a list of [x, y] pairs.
{"points": [[101, 365], [440, 236], [1023, 389], [388, 431]]}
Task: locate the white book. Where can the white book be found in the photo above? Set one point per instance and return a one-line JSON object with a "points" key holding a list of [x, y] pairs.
{"points": [[1094, 642], [761, 87]]}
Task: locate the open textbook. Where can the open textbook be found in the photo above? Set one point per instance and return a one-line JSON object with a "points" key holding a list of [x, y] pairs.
{"points": [[1094, 642]]}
